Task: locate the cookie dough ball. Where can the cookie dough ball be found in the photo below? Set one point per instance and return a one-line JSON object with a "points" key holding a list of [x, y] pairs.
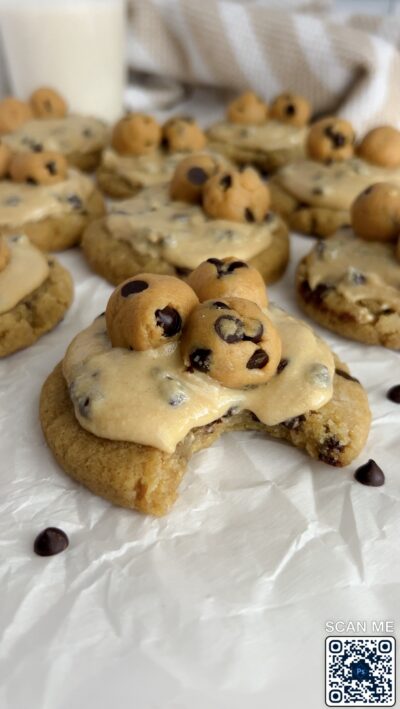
{"points": [[228, 277], [292, 109], [183, 135], [136, 134], [190, 176], [147, 311], [13, 114], [381, 146], [5, 159], [45, 168], [236, 195], [248, 108], [4, 253], [331, 139], [48, 103], [232, 341], [375, 213]]}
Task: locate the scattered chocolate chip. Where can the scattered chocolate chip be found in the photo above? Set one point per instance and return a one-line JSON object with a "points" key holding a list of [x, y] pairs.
{"points": [[236, 264], [337, 139], [258, 360], [394, 394], [249, 216], [294, 423], [282, 365], [346, 375], [51, 167], [229, 329], [87, 133], [165, 142], [50, 542], [169, 320], [220, 305], [370, 474], [264, 173], [218, 265], [356, 277], [200, 359], [317, 190], [197, 176], [320, 248], [37, 148], [269, 217], [83, 405], [226, 181], [290, 110], [133, 287], [31, 181]]}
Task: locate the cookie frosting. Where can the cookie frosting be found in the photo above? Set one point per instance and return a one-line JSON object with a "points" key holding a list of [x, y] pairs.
{"points": [[151, 399], [22, 203], [359, 271], [145, 170], [72, 134], [181, 233], [334, 186], [25, 271], [272, 135]]}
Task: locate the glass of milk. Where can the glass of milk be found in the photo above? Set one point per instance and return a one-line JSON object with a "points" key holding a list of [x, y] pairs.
{"points": [[74, 46]]}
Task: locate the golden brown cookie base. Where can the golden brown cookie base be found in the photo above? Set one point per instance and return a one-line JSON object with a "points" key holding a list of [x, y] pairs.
{"points": [[266, 161], [115, 185], [87, 162], [117, 260], [147, 479], [331, 310], [38, 313], [62, 232], [306, 218]]}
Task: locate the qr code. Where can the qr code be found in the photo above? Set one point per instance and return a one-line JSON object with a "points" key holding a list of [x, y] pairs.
{"points": [[360, 671]]}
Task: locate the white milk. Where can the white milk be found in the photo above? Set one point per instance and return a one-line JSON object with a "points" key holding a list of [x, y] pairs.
{"points": [[76, 46]]}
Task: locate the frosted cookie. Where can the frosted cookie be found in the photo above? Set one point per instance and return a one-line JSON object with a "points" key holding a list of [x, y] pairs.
{"points": [[47, 201], [125, 422], [154, 233], [46, 125], [35, 293], [315, 195], [256, 135], [144, 153], [352, 286]]}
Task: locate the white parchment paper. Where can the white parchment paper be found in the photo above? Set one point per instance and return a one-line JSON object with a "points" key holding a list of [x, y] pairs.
{"points": [[221, 604]]}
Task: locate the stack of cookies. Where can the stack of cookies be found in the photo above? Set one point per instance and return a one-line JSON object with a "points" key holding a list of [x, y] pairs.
{"points": [[189, 345]]}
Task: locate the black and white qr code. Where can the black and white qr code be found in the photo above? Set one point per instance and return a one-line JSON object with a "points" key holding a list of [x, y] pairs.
{"points": [[360, 671]]}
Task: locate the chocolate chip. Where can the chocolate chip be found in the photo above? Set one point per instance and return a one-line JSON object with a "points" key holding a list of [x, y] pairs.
{"points": [[169, 320], [229, 329], [87, 132], [394, 394], [294, 423], [74, 201], [282, 365], [369, 189], [346, 375], [197, 176], [200, 359], [356, 277], [37, 148], [317, 190], [236, 264], [269, 217], [220, 305], [258, 360], [226, 181], [330, 449], [133, 287], [31, 181], [83, 405], [249, 216], [218, 265], [264, 173], [51, 167], [254, 331], [51, 541], [165, 142], [370, 474], [290, 110], [337, 139]]}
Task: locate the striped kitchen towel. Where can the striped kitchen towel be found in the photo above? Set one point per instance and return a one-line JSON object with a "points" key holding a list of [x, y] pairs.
{"points": [[346, 65]]}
